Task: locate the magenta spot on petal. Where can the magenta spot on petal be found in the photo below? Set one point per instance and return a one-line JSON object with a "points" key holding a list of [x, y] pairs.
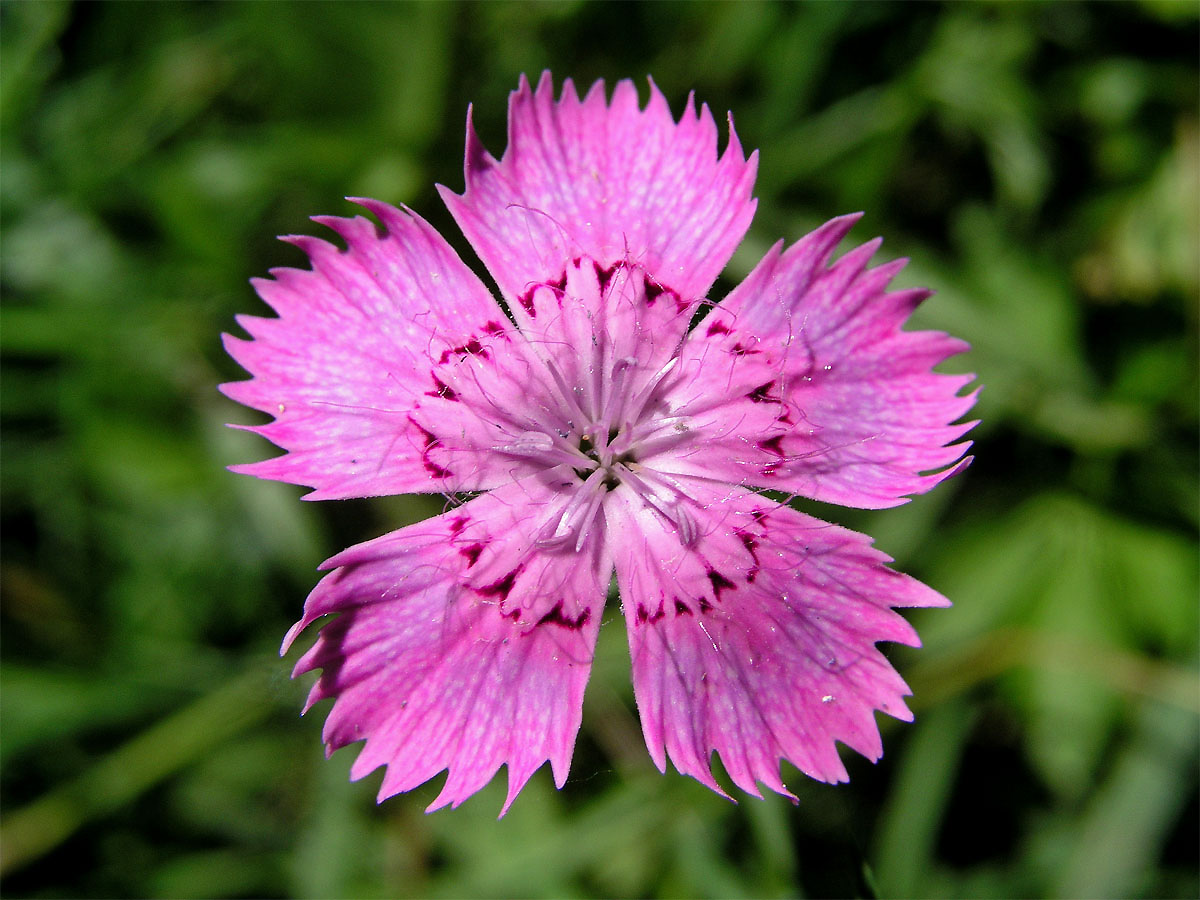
{"points": [[719, 583], [434, 469], [653, 292], [441, 390], [430, 466], [749, 541], [556, 617], [604, 276], [526, 301], [495, 329], [458, 523], [739, 349], [773, 445], [751, 545], [681, 608], [718, 328], [705, 606], [760, 394], [503, 587], [470, 348], [471, 553], [644, 617]]}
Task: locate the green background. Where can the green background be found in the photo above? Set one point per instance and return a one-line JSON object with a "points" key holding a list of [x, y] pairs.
{"points": [[1038, 162]]}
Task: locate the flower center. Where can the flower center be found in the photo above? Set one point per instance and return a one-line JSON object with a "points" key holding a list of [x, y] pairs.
{"points": [[584, 390], [604, 459]]}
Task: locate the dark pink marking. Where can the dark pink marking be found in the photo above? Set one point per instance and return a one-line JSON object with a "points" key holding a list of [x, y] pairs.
{"points": [[718, 328], [750, 543], [605, 276], [773, 445], [495, 329], [471, 553], [653, 292], [503, 587], [556, 617], [682, 609], [441, 390], [760, 394], [434, 469], [430, 466], [458, 523], [645, 617], [719, 583], [471, 348], [526, 301], [739, 349]]}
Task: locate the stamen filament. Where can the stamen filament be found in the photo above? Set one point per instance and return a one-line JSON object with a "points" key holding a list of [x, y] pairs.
{"points": [[635, 408]]}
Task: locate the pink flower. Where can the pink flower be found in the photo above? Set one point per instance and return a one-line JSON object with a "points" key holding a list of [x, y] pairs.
{"points": [[601, 431]]}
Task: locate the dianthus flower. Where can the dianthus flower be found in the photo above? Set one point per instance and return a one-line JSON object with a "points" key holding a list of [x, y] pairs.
{"points": [[605, 417]]}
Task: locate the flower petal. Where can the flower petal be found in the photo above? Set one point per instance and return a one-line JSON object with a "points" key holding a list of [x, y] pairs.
{"points": [[607, 181], [342, 367], [803, 381], [461, 644], [754, 635]]}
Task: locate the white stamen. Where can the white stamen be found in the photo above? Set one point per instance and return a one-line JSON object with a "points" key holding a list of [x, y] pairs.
{"points": [[549, 449], [571, 405], [577, 513], [634, 411], [673, 509], [585, 521], [685, 524], [614, 396], [655, 436], [531, 443]]}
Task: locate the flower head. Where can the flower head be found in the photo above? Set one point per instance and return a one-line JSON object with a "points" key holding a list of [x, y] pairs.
{"points": [[608, 418]]}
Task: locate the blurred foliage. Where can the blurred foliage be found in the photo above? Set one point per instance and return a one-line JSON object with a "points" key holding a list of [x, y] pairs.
{"points": [[1039, 163]]}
